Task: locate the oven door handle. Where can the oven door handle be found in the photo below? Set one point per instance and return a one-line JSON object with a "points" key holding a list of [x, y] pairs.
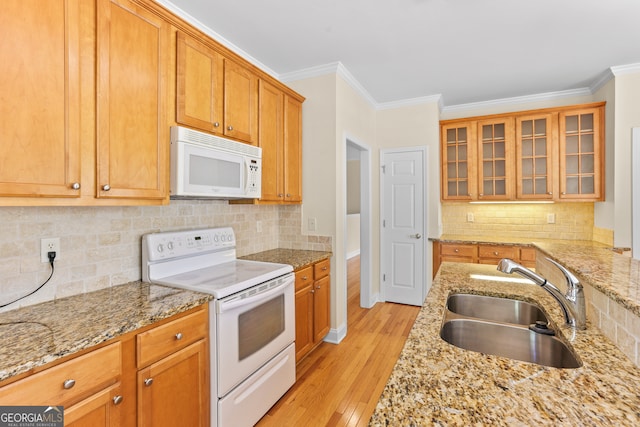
{"points": [[233, 302]]}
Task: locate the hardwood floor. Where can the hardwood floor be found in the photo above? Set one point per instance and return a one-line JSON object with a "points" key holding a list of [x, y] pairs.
{"points": [[339, 385]]}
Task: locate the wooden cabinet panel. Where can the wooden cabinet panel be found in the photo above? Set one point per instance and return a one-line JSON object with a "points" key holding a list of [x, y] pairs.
{"points": [[88, 373], [175, 390], [459, 161], [313, 306], [480, 254], [163, 340], [535, 155], [271, 140], [496, 153], [497, 252], [199, 85], [240, 102], [40, 93], [132, 130], [459, 250], [100, 409], [292, 150], [581, 154]]}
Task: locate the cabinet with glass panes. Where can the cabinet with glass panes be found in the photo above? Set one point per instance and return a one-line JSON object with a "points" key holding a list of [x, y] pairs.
{"points": [[548, 154]]}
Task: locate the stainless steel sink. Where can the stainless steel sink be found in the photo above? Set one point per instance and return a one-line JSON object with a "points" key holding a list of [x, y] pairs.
{"points": [[497, 309], [512, 341], [500, 326]]}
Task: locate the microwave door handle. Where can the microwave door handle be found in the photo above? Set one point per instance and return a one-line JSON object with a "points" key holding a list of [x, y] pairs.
{"points": [[262, 296]]}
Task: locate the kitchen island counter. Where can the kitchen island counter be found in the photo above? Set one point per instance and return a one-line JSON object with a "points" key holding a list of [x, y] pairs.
{"points": [[436, 383]]}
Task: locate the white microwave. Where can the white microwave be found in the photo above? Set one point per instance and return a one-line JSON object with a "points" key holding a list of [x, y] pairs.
{"points": [[211, 167]]}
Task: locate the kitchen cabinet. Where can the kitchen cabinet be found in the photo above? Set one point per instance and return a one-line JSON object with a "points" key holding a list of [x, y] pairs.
{"points": [[582, 154], [496, 151], [547, 154], [240, 102], [172, 381], [481, 253], [199, 86], [87, 106], [88, 386], [292, 150], [40, 92], [157, 375], [313, 292], [458, 161], [535, 156]]}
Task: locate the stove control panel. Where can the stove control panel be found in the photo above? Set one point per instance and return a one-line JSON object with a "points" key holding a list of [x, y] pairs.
{"points": [[174, 244]]}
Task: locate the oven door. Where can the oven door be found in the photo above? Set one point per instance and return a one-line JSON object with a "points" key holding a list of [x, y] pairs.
{"points": [[253, 327]]}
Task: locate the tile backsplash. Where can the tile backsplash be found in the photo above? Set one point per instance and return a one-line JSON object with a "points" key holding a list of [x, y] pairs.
{"points": [[571, 221], [100, 246]]}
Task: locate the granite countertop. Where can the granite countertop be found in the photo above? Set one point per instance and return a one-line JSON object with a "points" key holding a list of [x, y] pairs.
{"points": [[298, 258], [435, 383], [615, 275], [35, 335]]}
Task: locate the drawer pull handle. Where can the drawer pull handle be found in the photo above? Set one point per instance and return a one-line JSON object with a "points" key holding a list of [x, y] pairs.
{"points": [[117, 400], [148, 381], [179, 336], [68, 384], [304, 277], [324, 268]]}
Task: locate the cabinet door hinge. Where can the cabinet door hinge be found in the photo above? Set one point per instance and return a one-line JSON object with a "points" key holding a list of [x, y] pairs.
{"points": [[384, 168], [384, 277], [384, 223]]}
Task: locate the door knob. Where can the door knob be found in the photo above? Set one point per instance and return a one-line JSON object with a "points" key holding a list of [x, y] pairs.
{"points": [[417, 236]]}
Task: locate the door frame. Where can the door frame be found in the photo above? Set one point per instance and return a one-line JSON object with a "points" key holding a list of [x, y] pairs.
{"points": [[366, 289], [425, 174]]}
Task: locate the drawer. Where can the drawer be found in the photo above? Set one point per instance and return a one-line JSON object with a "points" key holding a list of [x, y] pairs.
{"points": [[69, 382], [304, 277], [458, 250], [498, 251], [161, 341], [528, 254], [321, 269]]}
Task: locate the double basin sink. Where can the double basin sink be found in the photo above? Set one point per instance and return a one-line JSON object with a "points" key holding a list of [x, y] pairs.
{"points": [[501, 327]]}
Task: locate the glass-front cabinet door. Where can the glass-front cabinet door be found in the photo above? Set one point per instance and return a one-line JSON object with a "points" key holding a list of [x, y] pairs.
{"points": [[459, 158], [581, 154], [496, 159], [534, 156]]}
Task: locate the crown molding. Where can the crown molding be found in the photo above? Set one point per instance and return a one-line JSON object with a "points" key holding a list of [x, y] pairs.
{"points": [[217, 37], [547, 96], [620, 70], [412, 102]]}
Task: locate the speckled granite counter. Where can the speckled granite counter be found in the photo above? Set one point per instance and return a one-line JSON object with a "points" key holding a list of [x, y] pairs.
{"points": [[435, 383], [35, 335], [297, 258]]}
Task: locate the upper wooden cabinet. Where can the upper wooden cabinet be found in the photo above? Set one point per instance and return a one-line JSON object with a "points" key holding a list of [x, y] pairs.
{"points": [[549, 154], [40, 93], [214, 93], [292, 150], [132, 131], [200, 83]]}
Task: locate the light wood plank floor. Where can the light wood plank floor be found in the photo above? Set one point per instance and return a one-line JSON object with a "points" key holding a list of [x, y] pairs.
{"points": [[339, 385]]}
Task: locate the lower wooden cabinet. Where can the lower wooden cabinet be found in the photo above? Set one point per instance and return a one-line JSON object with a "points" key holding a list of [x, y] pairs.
{"points": [[481, 253], [313, 306], [155, 376]]}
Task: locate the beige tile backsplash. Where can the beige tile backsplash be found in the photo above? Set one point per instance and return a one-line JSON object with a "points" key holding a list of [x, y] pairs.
{"points": [[573, 221], [100, 246]]}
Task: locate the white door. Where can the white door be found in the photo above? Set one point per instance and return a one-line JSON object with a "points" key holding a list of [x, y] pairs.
{"points": [[403, 247]]}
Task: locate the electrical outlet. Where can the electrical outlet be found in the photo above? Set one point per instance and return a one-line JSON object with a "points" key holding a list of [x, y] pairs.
{"points": [[551, 218], [49, 245], [470, 217], [312, 225]]}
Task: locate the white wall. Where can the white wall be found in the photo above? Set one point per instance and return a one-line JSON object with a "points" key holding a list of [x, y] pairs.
{"points": [[353, 235]]}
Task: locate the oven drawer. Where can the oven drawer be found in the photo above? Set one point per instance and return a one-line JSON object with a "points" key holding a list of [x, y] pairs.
{"points": [[161, 341], [68, 382], [304, 277], [321, 269]]}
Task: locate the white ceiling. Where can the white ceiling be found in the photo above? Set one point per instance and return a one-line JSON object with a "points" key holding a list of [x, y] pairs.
{"points": [[464, 50]]}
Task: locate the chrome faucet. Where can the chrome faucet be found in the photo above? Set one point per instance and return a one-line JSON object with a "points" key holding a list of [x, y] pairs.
{"points": [[572, 302]]}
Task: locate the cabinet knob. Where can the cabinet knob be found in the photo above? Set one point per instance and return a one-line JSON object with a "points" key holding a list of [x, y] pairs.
{"points": [[179, 336], [481, 194], [75, 186], [288, 195], [313, 291], [216, 124], [324, 268], [106, 187], [495, 253], [550, 193], [456, 250], [563, 193], [67, 384], [318, 287], [117, 400], [229, 127], [280, 195], [148, 381], [305, 277]]}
